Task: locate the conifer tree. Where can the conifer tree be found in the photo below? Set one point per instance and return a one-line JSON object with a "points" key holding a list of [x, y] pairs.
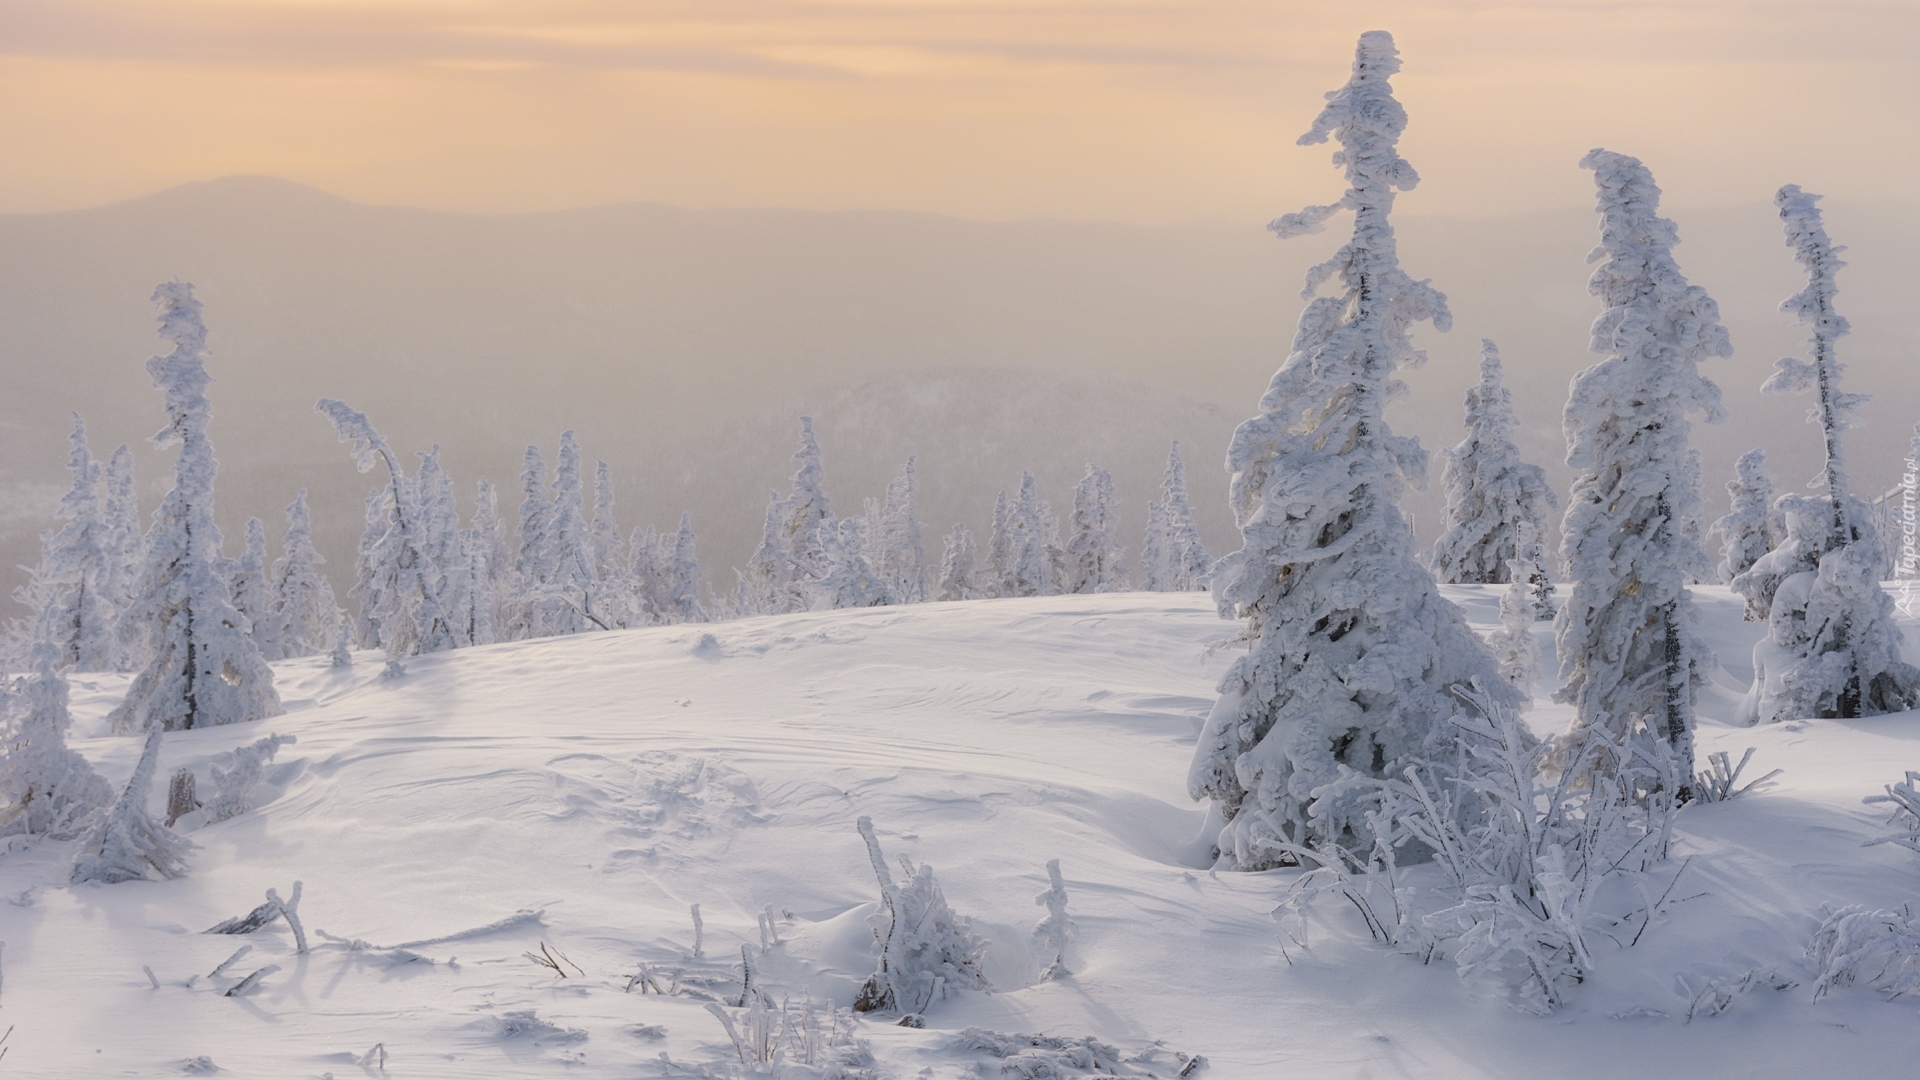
{"points": [[1632, 533], [1000, 549], [1156, 574], [680, 577], [763, 585], [573, 601], [252, 595], [125, 841], [1188, 564], [842, 577], [126, 538], [1512, 644], [304, 616], [1030, 570], [1752, 527], [401, 605], [75, 592], [203, 668], [608, 554], [483, 546], [1092, 554], [956, 566], [1492, 495], [1833, 649], [1354, 657], [533, 551], [900, 553], [440, 519], [49, 790]]}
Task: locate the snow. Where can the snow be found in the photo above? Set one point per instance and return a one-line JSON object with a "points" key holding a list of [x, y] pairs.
{"points": [[582, 792]]}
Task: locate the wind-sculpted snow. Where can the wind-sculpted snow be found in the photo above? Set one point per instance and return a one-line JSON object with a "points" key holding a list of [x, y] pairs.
{"points": [[574, 797]]}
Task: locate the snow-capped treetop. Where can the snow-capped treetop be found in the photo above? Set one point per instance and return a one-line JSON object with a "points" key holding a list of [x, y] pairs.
{"points": [[1813, 306], [1491, 492], [807, 507]]}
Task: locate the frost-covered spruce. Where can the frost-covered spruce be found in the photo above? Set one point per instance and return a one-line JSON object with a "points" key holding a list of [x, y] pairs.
{"points": [[680, 576], [1491, 493], [1832, 649], [1751, 527], [899, 549], [764, 584], [1091, 559], [126, 842], [1354, 656], [126, 537], [1628, 651], [440, 517], [573, 600], [1154, 571], [1512, 644], [302, 622], [1000, 548], [611, 566], [842, 577], [203, 668], [252, 595], [49, 790], [475, 610], [807, 522], [401, 607], [75, 592], [1029, 566], [1188, 564], [533, 551], [956, 566]]}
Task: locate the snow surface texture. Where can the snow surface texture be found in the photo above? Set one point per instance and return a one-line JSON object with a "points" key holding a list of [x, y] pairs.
{"points": [[582, 792]]}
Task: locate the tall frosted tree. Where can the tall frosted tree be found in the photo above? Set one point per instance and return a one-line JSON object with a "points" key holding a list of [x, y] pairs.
{"points": [[608, 552], [679, 588], [1187, 561], [1091, 560], [440, 522], [1493, 496], [842, 576], [252, 595], [398, 584], [74, 591], [1353, 655], [573, 600], [1030, 570], [764, 584], [1629, 654], [1832, 649], [900, 552], [533, 547], [126, 538], [203, 668], [1751, 527], [1156, 574], [305, 617], [476, 609], [1000, 548]]}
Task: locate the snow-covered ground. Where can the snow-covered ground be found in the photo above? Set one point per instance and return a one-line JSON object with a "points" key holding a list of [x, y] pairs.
{"points": [[609, 781]]}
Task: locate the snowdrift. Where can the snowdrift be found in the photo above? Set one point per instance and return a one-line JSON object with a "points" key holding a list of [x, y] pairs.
{"points": [[582, 794]]}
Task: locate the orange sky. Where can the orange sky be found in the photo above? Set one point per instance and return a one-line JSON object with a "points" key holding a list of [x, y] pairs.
{"points": [[1128, 110]]}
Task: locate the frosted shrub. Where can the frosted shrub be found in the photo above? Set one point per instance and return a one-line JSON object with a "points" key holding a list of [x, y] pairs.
{"points": [[1053, 931], [1751, 527], [234, 787], [843, 578], [1853, 946], [1905, 799], [925, 949]]}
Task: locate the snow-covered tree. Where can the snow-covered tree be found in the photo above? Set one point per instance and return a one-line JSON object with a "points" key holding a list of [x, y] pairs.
{"points": [[252, 595], [1512, 644], [126, 537], [1188, 564], [1155, 572], [899, 547], [572, 600], [476, 607], [1029, 569], [125, 841], [1832, 649], [1632, 532], [1752, 527], [401, 607], [533, 551], [304, 614], [763, 588], [680, 576], [234, 787], [956, 566], [608, 552], [841, 575], [1491, 493], [1091, 560], [75, 592], [203, 667], [49, 790], [1354, 657], [1000, 548], [440, 519]]}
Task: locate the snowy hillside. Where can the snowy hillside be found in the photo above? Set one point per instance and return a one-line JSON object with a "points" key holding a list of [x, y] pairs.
{"points": [[604, 783]]}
